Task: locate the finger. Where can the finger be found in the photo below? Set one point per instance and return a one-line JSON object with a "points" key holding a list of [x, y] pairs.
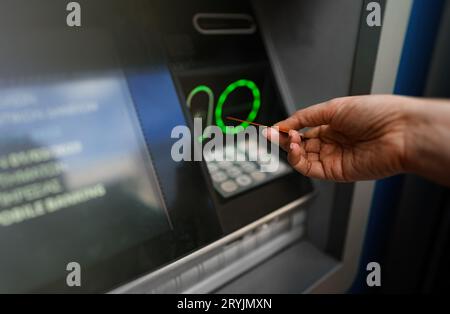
{"points": [[313, 145], [313, 156], [299, 160], [315, 115], [327, 135], [276, 137], [295, 137], [313, 133]]}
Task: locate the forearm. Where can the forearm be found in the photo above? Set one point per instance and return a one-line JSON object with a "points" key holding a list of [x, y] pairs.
{"points": [[428, 144]]}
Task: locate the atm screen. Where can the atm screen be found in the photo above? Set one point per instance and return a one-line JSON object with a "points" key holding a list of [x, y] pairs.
{"points": [[76, 180]]}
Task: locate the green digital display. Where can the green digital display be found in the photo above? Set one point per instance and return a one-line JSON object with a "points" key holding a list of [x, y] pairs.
{"points": [[218, 112], [208, 91], [223, 97]]}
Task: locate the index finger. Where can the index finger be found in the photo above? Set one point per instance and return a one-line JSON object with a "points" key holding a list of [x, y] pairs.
{"points": [[315, 115]]}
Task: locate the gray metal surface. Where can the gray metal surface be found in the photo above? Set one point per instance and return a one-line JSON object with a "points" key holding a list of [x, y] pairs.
{"points": [[391, 44], [312, 45], [244, 249], [235, 269], [292, 271]]}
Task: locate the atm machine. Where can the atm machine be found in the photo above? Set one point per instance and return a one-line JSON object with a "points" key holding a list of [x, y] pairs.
{"points": [[86, 120]]}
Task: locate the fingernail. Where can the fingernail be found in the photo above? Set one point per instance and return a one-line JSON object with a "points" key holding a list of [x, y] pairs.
{"points": [[274, 129], [264, 132], [292, 146]]}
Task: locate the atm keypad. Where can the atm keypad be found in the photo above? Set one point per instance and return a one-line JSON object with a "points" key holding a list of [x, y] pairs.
{"points": [[258, 176], [234, 177], [234, 172], [244, 180], [229, 186], [219, 176]]}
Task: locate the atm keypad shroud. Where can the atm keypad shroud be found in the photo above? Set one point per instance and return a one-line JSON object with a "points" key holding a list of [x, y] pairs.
{"points": [[206, 67]]}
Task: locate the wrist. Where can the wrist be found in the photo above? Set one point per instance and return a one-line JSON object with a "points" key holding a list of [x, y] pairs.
{"points": [[415, 120], [427, 131]]}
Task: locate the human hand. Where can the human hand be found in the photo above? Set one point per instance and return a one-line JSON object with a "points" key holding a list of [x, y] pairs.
{"points": [[350, 138]]}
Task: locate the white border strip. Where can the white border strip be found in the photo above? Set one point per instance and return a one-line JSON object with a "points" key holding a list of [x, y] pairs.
{"points": [[396, 20]]}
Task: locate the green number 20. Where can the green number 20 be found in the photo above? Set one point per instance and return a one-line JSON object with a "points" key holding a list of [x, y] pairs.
{"points": [[222, 99]]}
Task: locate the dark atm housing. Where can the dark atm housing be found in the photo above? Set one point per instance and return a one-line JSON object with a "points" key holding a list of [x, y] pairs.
{"points": [[131, 216], [209, 44]]}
